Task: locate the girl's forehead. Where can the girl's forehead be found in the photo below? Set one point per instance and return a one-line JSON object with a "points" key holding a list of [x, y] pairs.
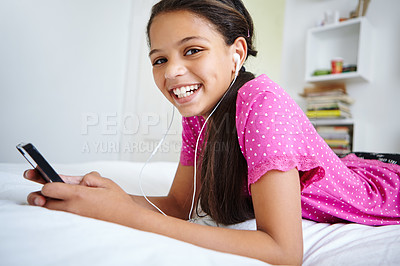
{"points": [[181, 22]]}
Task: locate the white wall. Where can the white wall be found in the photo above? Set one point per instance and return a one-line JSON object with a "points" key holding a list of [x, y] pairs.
{"points": [[64, 63], [76, 80], [61, 60], [377, 126], [268, 18]]}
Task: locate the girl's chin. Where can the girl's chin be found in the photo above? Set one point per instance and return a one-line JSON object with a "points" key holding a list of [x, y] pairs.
{"points": [[195, 109], [187, 113], [187, 107]]}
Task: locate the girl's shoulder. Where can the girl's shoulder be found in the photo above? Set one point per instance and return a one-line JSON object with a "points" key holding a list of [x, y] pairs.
{"points": [[261, 89], [257, 87], [259, 84]]}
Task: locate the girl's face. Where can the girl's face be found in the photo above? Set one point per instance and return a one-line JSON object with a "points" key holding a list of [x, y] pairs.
{"points": [[192, 65]]}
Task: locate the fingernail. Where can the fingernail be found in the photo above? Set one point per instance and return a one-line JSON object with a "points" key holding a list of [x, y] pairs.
{"points": [[37, 202]]}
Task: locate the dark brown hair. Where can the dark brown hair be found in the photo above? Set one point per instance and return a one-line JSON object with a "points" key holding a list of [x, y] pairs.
{"points": [[223, 193]]}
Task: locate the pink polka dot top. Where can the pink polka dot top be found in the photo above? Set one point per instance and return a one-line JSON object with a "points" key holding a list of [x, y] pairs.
{"points": [[274, 133]]}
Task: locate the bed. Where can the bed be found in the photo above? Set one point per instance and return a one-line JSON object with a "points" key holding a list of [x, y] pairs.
{"points": [[36, 236]]}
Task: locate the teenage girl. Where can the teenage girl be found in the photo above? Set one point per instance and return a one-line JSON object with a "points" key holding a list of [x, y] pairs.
{"points": [[257, 155]]}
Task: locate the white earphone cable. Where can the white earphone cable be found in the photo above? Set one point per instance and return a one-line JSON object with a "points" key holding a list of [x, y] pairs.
{"points": [[197, 143], [148, 160]]}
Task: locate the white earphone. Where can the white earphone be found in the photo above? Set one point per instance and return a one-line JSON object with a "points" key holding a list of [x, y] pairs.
{"points": [[236, 57]]}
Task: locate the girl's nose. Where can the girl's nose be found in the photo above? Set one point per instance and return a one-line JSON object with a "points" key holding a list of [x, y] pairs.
{"points": [[174, 69]]}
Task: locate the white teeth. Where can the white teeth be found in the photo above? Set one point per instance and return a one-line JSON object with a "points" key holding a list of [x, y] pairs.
{"points": [[185, 91]]}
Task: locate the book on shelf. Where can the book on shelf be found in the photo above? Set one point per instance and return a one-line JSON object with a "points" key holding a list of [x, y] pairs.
{"points": [[334, 132], [324, 114], [330, 102], [333, 137], [330, 97], [314, 89], [333, 105], [338, 138], [337, 142], [327, 101], [329, 129]]}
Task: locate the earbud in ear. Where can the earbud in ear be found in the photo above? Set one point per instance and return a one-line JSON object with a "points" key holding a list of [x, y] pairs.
{"points": [[236, 57]]}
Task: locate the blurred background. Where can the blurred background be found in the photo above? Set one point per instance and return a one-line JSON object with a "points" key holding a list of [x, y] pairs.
{"points": [[76, 81]]}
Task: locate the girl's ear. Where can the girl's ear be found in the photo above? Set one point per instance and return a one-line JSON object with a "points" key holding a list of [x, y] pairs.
{"points": [[239, 47]]}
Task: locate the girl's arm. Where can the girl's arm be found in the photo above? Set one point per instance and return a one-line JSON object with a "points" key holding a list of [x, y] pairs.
{"points": [[177, 203], [278, 239], [276, 199]]}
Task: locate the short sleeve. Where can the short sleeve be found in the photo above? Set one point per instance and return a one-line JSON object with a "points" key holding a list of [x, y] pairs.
{"points": [[274, 134], [191, 127]]}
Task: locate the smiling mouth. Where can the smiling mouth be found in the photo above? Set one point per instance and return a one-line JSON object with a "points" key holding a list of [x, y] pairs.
{"points": [[185, 91]]}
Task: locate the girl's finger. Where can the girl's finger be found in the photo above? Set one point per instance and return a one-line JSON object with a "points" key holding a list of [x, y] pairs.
{"points": [[94, 179], [36, 199], [62, 191], [54, 204], [65, 191], [74, 180], [33, 175]]}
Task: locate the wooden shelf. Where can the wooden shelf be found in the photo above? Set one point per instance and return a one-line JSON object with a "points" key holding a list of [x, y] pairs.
{"points": [[326, 122], [338, 77]]}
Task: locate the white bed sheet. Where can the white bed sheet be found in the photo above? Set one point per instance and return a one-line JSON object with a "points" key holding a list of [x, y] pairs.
{"points": [[36, 236]]}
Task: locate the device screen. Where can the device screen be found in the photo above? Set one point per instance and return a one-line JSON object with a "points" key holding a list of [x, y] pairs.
{"points": [[33, 156]]}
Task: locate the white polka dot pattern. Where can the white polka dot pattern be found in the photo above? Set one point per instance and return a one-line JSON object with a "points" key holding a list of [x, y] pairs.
{"points": [[191, 127], [274, 133]]}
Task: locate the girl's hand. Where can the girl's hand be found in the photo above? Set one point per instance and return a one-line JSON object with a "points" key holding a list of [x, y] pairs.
{"points": [[36, 198], [94, 197]]}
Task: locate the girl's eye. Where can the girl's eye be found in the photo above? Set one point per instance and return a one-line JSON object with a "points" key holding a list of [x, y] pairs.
{"points": [[159, 61], [192, 51]]}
